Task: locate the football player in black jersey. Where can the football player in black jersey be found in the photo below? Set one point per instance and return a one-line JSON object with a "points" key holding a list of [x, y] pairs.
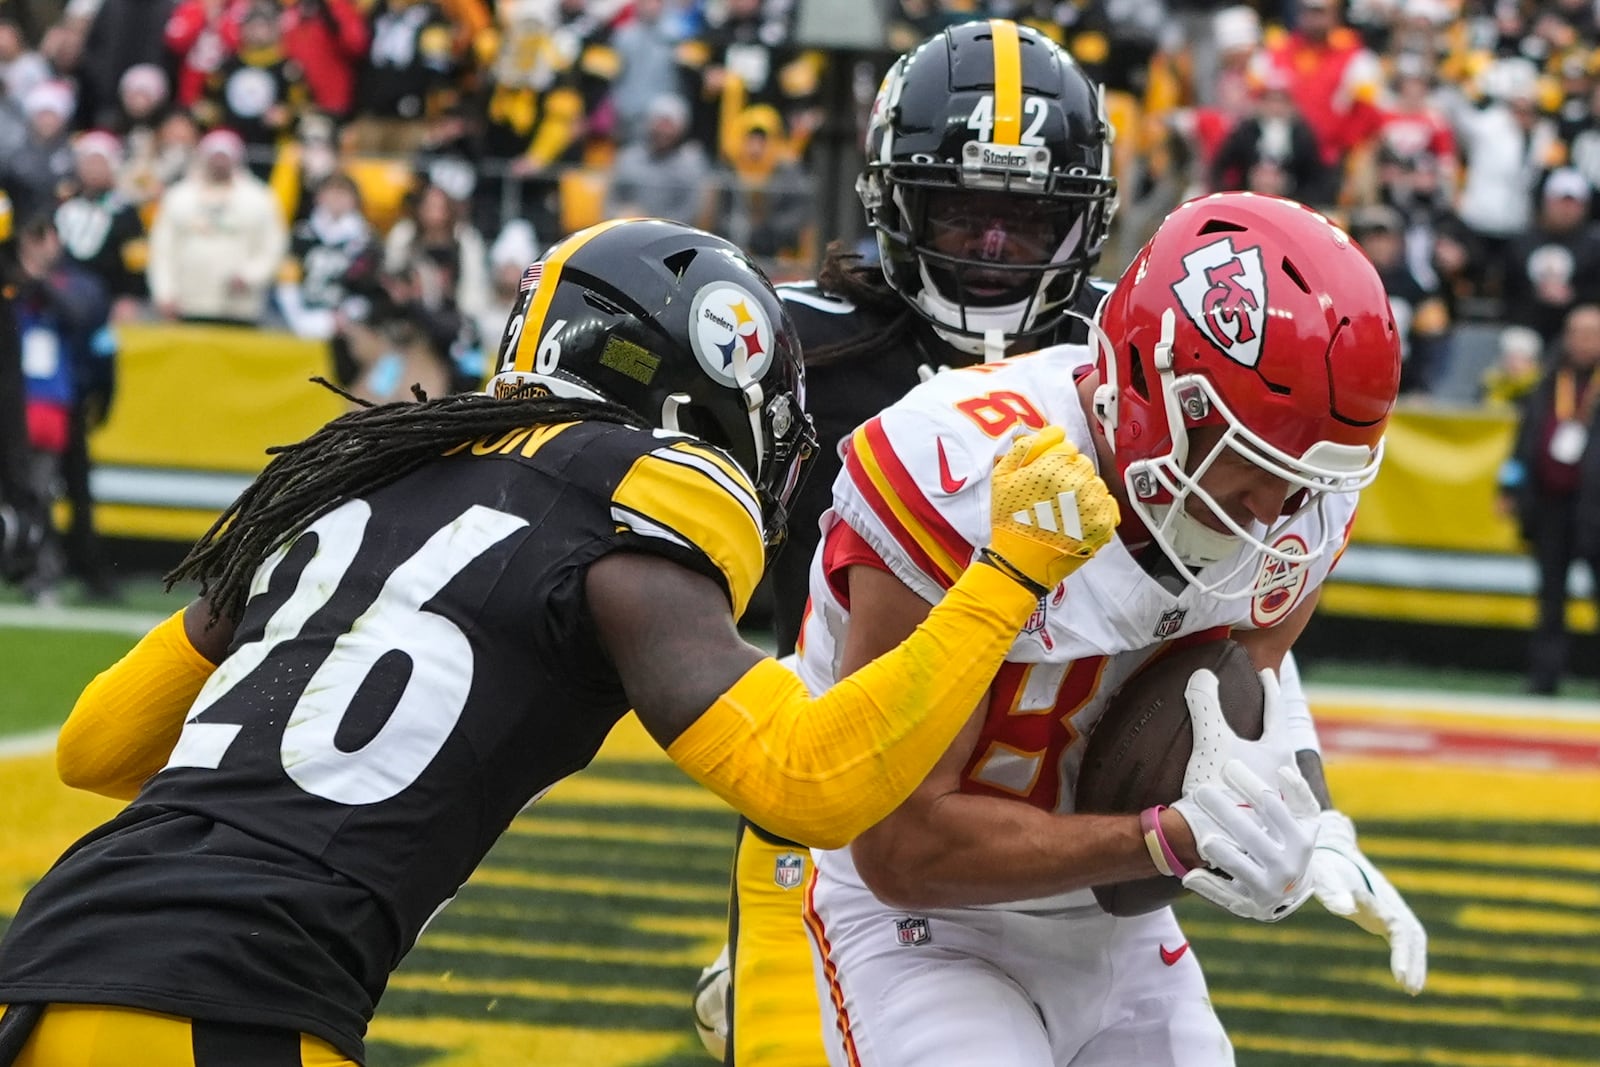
{"points": [[988, 188], [426, 614]]}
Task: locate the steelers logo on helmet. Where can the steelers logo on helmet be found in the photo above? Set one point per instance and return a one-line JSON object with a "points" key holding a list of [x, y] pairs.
{"points": [[728, 326]]}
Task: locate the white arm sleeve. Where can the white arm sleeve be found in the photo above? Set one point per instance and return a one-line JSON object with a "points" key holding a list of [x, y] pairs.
{"points": [[1296, 709]]}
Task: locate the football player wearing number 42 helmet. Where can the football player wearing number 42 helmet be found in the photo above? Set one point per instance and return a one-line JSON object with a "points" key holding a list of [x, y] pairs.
{"points": [[425, 615], [987, 187], [1235, 395]]}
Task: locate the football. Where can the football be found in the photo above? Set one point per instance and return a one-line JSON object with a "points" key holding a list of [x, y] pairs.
{"points": [[1139, 750]]}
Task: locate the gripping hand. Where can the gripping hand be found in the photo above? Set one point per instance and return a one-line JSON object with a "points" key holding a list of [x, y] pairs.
{"points": [[1347, 884], [1253, 816], [1051, 511]]}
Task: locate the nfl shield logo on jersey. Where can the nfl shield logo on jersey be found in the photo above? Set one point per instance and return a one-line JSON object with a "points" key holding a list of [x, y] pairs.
{"points": [[913, 931], [788, 870], [1170, 622]]}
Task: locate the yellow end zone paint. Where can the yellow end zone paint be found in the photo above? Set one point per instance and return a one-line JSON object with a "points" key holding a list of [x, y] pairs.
{"points": [[479, 1043], [1502, 920], [43, 818], [1412, 789], [1281, 1048]]}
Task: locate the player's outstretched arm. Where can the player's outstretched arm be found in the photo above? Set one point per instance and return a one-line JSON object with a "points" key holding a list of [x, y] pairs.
{"points": [[127, 719], [821, 770]]}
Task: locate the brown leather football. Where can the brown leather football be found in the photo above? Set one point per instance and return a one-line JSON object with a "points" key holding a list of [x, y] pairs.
{"points": [[1139, 750]]}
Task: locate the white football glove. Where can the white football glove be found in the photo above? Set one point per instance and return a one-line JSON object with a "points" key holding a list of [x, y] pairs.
{"points": [[1347, 884], [1262, 836], [1258, 838], [711, 1005]]}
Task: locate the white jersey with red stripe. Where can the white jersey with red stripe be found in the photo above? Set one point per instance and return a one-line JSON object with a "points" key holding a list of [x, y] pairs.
{"points": [[916, 488]]}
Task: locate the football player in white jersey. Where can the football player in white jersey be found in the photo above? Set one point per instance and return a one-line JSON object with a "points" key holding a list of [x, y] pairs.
{"points": [[1235, 395]]}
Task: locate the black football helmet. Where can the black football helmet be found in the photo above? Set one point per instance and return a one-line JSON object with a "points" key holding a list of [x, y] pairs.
{"points": [[678, 326], [988, 180]]}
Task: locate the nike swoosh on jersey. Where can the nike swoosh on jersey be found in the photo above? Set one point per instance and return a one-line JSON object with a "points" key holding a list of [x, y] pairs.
{"points": [[950, 485], [1173, 956]]}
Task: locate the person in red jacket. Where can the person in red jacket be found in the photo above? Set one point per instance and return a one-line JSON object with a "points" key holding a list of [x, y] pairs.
{"points": [[1333, 77], [328, 38]]}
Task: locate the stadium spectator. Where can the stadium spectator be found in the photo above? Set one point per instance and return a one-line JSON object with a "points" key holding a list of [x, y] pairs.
{"points": [[1580, 132], [143, 99], [23, 519], [123, 34], [1556, 263], [302, 165], [744, 57], [323, 248], [763, 197], [200, 36], [662, 174], [218, 239], [1275, 138], [1551, 468], [34, 169], [21, 68], [70, 370], [1333, 77], [392, 339], [155, 164], [1506, 143], [1413, 127], [435, 243], [513, 250], [1517, 368], [328, 39], [100, 231], [1228, 95], [405, 76], [545, 98], [1420, 311], [646, 48], [258, 91]]}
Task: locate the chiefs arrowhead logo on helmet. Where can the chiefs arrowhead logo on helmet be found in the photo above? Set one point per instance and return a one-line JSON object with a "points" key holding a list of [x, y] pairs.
{"points": [[1224, 293]]}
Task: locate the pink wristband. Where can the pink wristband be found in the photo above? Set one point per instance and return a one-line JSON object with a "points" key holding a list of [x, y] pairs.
{"points": [[1155, 842]]}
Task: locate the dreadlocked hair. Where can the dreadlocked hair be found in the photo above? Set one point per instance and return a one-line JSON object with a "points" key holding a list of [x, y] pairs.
{"points": [[342, 460], [845, 273]]}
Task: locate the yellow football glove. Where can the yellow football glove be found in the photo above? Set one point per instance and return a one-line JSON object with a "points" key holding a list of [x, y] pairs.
{"points": [[1050, 511]]}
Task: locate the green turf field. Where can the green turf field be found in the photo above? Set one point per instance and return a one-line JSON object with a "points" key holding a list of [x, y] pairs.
{"points": [[579, 940]]}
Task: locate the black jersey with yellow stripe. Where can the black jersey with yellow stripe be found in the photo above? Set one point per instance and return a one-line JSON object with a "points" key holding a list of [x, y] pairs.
{"points": [[409, 672], [844, 392]]}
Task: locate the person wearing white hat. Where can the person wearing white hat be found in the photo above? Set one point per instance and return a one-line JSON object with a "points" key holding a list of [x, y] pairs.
{"points": [[218, 239], [1556, 264], [32, 169], [100, 230]]}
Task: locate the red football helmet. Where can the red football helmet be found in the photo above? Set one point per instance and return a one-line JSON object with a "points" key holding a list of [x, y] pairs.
{"points": [[1260, 317]]}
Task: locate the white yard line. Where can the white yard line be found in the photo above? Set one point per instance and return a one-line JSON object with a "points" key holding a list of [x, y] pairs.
{"points": [[86, 620], [1450, 702], [30, 744]]}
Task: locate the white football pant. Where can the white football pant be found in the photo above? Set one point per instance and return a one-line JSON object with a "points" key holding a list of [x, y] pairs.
{"points": [[975, 987]]}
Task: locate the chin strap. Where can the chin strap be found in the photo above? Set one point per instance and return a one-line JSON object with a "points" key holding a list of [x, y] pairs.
{"points": [[1195, 543], [994, 346]]}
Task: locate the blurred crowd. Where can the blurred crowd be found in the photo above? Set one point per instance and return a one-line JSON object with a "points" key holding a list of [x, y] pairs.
{"points": [[376, 174]]}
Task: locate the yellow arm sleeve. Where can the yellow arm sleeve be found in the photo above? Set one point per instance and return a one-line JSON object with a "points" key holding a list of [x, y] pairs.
{"points": [[821, 771], [124, 725]]}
